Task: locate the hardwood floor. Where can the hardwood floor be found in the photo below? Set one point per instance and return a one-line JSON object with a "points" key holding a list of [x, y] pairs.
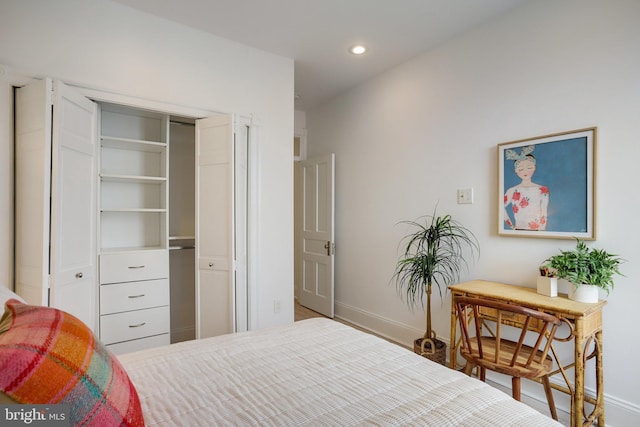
{"points": [[302, 313]]}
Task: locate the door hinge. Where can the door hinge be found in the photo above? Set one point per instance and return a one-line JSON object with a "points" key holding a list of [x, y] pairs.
{"points": [[51, 94], [49, 291]]}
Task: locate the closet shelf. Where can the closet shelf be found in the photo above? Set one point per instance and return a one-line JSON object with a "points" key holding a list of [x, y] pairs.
{"points": [[116, 250], [132, 144], [143, 210], [106, 177]]}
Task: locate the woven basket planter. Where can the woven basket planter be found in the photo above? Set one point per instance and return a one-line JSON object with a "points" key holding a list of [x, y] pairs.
{"points": [[438, 356]]}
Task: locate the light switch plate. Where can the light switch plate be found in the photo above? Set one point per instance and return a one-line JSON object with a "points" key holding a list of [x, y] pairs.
{"points": [[465, 196]]}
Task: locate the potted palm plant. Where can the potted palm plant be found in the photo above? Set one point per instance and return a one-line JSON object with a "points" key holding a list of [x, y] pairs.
{"points": [[587, 269], [434, 254]]}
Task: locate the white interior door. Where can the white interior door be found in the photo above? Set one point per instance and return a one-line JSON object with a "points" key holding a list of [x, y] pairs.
{"points": [[55, 198], [318, 244], [73, 205], [34, 110], [214, 226]]}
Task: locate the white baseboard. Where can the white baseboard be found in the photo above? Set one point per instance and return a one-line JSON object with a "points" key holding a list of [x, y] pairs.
{"points": [[381, 326], [618, 412]]}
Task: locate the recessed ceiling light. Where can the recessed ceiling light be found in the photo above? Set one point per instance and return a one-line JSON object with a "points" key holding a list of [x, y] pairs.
{"points": [[358, 49]]}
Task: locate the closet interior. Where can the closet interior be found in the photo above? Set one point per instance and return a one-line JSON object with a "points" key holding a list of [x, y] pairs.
{"points": [[182, 228]]}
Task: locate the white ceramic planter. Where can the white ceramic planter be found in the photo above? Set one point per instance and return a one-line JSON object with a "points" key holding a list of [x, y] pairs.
{"points": [[583, 293], [547, 286]]}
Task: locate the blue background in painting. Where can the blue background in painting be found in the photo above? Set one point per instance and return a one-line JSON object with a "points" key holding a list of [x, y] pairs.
{"points": [[562, 167]]}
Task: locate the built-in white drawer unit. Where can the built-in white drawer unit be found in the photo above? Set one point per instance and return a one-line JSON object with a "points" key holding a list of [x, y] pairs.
{"points": [[132, 325], [140, 344], [119, 297], [132, 266]]}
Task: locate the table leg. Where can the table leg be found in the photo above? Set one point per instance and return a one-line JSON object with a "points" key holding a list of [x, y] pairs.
{"points": [[453, 351], [599, 379], [577, 404]]}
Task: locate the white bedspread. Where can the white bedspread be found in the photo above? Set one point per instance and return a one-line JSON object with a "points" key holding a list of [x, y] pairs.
{"points": [[313, 373]]}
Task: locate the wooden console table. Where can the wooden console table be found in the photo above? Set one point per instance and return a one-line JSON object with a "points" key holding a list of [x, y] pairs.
{"points": [[585, 327]]}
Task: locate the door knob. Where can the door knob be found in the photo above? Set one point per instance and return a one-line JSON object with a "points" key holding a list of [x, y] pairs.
{"points": [[79, 275], [330, 247]]}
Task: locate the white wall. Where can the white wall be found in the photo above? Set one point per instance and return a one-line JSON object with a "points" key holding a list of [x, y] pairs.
{"points": [[406, 140], [106, 46]]}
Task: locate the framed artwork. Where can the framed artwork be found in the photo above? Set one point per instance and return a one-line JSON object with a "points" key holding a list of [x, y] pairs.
{"points": [[546, 186]]}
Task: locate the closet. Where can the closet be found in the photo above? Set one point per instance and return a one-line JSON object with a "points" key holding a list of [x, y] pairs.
{"points": [[141, 239]]}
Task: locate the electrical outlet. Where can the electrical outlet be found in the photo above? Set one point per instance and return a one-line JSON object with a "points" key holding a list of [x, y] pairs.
{"points": [[276, 306], [465, 196]]}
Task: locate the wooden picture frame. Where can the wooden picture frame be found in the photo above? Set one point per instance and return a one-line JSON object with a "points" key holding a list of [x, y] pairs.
{"points": [[546, 186]]}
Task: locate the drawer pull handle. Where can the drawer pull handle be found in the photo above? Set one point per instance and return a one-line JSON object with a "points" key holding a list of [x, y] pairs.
{"points": [[136, 266], [79, 275], [138, 325], [136, 296], [210, 264]]}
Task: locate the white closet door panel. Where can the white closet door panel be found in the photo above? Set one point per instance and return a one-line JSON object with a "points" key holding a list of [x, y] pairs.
{"points": [[33, 183], [214, 225], [74, 220], [76, 298], [73, 205], [218, 303]]}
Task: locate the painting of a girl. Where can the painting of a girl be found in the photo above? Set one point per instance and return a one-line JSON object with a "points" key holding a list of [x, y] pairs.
{"points": [[546, 186], [528, 200]]}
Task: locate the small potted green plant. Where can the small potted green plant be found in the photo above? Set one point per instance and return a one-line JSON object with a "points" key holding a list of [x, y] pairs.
{"points": [[434, 253], [587, 270]]}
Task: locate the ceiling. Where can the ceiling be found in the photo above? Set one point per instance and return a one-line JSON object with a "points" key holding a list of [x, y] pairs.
{"points": [[317, 34]]}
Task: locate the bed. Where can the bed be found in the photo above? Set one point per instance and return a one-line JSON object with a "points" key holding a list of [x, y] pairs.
{"points": [[316, 372]]}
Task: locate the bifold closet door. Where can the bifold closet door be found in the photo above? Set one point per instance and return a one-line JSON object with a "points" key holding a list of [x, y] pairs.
{"points": [[33, 183], [214, 226], [55, 198]]}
